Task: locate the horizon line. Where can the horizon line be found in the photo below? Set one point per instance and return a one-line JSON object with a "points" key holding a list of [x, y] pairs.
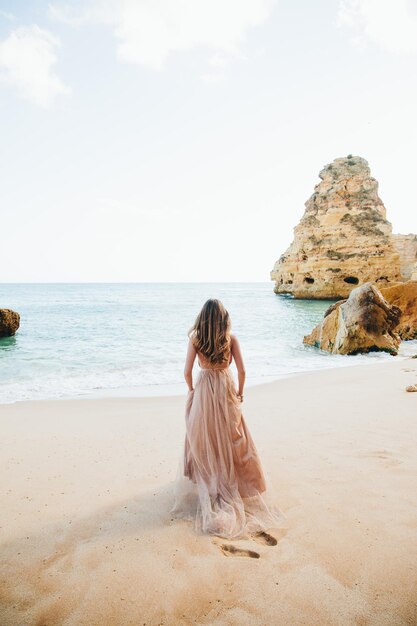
{"points": [[139, 282]]}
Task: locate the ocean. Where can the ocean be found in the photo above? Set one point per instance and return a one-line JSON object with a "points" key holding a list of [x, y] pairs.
{"points": [[131, 338]]}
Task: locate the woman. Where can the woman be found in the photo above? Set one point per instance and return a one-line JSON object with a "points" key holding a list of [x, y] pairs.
{"points": [[220, 480]]}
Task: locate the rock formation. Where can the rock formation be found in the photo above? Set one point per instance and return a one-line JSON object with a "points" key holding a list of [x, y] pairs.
{"points": [[365, 322], [343, 238], [406, 246], [404, 296], [9, 322]]}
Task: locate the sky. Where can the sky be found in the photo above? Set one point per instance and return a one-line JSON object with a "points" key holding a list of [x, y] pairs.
{"points": [[178, 140]]}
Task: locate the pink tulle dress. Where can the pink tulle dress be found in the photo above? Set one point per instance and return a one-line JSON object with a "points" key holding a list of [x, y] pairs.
{"points": [[220, 483]]}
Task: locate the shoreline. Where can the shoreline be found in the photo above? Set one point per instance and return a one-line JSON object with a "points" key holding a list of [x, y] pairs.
{"points": [[110, 394], [87, 489], [172, 389]]}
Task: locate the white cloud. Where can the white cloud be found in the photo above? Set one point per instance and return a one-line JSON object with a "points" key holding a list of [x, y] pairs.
{"points": [[219, 60], [27, 58], [149, 31], [392, 25], [72, 15]]}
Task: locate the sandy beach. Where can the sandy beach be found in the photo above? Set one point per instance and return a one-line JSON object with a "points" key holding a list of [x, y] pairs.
{"points": [[87, 538]]}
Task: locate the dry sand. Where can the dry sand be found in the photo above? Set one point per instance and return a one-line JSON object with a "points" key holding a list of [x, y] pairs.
{"points": [[87, 538]]}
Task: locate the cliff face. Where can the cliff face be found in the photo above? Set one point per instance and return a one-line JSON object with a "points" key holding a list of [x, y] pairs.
{"points": [[343, 238], [404, 296], [406, 246]]}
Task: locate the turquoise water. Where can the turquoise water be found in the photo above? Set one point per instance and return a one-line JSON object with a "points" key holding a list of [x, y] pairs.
{"points": [[131, 338]]}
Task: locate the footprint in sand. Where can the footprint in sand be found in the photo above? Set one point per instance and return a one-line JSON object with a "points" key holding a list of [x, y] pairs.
{"points": [[265, 538], [388, 458], [229, 550]]}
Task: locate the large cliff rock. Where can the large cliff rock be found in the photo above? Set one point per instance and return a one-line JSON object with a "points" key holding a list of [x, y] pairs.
{"points": [[406, 246], [365, 322], [9, 322], [343, 238], [404, 296]]}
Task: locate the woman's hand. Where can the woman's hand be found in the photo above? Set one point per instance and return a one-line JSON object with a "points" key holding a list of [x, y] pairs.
{"points": [[240, 396]]}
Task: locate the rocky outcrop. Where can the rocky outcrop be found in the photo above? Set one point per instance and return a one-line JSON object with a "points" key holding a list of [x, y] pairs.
{"points": [[364, 322], [343, 239], [406, 246], [404, 296], [9, 322]]}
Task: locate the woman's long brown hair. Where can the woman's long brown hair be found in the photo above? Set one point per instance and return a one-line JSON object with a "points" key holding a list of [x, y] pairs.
{"points": [[211, 331]]}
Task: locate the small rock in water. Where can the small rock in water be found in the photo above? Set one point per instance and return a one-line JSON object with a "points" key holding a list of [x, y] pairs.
{"points": [[9, 322]]}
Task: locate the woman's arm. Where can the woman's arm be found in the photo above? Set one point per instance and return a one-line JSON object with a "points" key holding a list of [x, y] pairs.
{"points": [[189, 362], [241, 372]]}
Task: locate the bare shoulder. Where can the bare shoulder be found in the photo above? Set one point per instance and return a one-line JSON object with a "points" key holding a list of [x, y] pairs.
{"points": [[236, 352], [191, 339], [233, 340]]}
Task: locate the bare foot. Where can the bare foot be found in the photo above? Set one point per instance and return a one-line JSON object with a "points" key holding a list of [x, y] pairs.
{"points": [[265, 538], [411, 388], [229, 550]]}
